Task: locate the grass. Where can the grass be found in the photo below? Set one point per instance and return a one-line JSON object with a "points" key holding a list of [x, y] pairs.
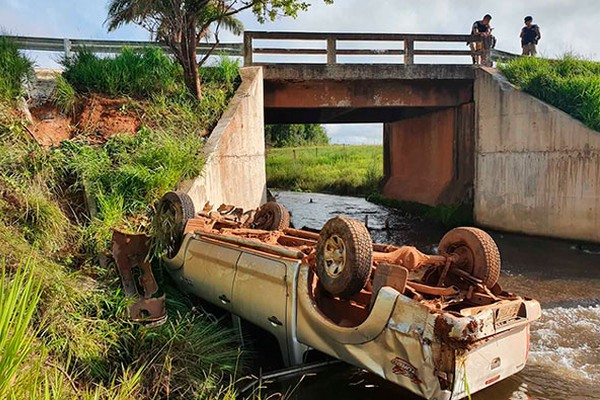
{"points": [[14, 70], [344, 170], [570, 84], [77, 341], [135, 73], [19, 296]]}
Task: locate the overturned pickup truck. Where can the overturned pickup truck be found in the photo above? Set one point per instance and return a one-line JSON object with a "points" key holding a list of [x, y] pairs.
{"points": [[438, 325]]}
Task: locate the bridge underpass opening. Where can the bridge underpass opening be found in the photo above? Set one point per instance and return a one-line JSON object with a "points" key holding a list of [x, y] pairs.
{"points": [[428, 149]]}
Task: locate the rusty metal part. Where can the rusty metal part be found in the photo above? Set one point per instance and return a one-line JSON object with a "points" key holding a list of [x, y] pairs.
{"points": [[407, 256], [130, 253], [444, 272], [301, 234], [257, 245], [434, 290]]}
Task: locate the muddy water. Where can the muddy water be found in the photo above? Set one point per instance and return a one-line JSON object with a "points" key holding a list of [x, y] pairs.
{"points": [[564, 360]]}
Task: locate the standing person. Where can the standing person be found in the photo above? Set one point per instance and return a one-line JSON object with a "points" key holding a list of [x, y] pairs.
{"points": [[530, 35], [483, 29]]}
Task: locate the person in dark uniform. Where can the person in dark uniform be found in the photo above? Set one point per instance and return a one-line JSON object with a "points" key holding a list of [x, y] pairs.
{"points": [[482, 28], [530, 36]]}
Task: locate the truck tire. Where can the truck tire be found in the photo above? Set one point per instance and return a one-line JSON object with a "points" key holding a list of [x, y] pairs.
{"points": [[479, 255], [272, 216], [344, 256], [172, 214]]}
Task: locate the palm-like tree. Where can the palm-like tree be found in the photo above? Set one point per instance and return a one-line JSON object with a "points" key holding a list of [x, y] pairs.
{"points": [[181, 25]]}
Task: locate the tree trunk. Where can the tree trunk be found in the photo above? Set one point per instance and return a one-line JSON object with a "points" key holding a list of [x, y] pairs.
{"points": [[190, 62], [192, 78]]}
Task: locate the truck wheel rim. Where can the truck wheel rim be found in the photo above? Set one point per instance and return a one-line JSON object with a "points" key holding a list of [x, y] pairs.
{"points": [[335, 256]]}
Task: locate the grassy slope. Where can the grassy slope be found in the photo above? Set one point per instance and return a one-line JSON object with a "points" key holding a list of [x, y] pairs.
{"points": [[350, 170], [79, 343], [571, 84]]}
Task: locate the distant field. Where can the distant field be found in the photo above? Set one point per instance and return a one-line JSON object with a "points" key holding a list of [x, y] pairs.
{"points": [[338, 169]]}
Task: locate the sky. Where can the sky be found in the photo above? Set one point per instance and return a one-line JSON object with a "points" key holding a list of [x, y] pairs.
{"points": [[566, 25]]}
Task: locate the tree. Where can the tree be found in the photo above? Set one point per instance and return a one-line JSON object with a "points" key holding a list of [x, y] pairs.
{"points": [[182, 24], [295, 135]]}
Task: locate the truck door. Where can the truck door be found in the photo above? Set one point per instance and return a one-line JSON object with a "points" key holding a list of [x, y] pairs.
{"points": [[208, 271], [260, 293]]}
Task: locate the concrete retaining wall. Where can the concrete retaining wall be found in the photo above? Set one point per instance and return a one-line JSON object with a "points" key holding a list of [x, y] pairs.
{"points": [[234, 172], [537, 169]]}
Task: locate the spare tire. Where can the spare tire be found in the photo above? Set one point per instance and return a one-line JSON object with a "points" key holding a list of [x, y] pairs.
{"points": [[271, 216], [344, 256], [479, 255], [172, 214]]}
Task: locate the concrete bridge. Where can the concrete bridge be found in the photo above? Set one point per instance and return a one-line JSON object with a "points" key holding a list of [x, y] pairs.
{"points": [[453, 133]]}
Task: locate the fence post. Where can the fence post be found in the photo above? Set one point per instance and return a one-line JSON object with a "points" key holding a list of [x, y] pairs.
{"points": [[67, 47], [331, 50], [248, 49], [409, 51]]}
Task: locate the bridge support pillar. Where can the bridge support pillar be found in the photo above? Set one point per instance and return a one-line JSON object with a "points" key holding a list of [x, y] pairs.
{"points": [[430, 159]]}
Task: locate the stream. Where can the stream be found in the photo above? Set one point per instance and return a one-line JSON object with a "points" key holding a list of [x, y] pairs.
{"points": [[564, 360]]}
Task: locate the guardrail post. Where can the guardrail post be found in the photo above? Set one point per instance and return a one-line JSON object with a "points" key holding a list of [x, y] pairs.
{"points": [[248, 49], [409, 51], [331, 50], [67, 47]]}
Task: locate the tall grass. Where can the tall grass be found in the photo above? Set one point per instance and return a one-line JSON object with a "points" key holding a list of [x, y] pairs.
{"points": [[19, 296], [570, 84], [352, 170], [64, 96], [136, 73], [15, 70]]}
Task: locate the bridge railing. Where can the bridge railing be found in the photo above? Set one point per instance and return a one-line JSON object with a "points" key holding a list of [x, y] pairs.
{"points": [[67, 46], [328, 44]]}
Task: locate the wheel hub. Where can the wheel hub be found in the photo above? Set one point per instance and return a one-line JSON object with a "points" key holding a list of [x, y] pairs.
{"points": [[335, 256]]}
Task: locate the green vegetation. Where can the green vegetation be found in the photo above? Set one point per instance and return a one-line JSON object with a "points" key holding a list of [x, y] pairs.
{"points": [[139, 74], [450, 216], [295, 135], [351, 170], [57, 209], [14, 70], [570, 84]]}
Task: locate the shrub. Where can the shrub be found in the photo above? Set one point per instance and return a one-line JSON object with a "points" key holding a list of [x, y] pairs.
{"points": [[570, 84], [15, 70]]}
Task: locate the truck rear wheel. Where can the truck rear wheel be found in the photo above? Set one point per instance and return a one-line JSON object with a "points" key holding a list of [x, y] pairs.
{"points": [[344, 256], [479, 255], [172, 214], [272, 216]]}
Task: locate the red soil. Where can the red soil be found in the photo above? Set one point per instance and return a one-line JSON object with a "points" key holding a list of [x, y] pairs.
{"points": [[97, 119], [49, 126]]}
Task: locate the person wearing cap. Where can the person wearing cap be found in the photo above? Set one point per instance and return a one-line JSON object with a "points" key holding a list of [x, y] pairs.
{"points": [[483, 29], [530, 36]]}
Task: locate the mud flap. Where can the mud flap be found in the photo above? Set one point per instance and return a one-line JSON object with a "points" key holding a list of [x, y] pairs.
{"points": [[129, 252]]}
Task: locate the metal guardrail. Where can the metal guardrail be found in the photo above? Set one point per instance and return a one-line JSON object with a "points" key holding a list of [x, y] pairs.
{"points": [[67, 45], [333, 50], [248, 49]]}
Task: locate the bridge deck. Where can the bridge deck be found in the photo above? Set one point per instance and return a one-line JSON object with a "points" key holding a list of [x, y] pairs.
{"points": [[353, 72]]}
